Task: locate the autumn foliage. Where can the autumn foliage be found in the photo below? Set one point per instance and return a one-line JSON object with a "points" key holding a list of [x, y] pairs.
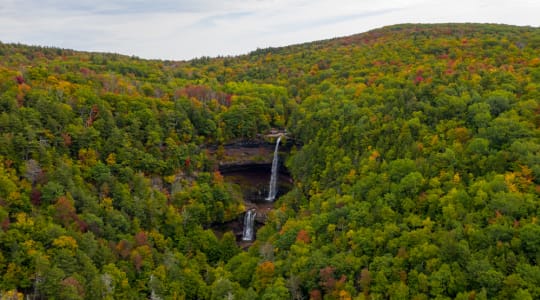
{"points": [[413, 150]]}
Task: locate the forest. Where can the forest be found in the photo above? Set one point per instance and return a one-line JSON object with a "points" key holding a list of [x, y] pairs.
{"points": [[416, 170]]}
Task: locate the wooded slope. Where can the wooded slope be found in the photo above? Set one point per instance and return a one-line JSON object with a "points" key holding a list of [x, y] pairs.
{"points": [[418, 176]]}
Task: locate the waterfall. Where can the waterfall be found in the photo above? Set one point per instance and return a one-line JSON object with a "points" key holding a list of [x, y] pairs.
{"points": [[272, 189], [249, 220], [151, 283]]}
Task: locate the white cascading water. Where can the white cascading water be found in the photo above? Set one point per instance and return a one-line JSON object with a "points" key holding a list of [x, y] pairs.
{"points": [[249, 220], [272, 189]]}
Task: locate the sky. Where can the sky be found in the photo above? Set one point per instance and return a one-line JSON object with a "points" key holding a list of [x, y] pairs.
{"points": [[185, 29]]}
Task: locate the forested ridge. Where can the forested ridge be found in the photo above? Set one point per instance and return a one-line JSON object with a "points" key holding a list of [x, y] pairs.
{"points": [[416, 171]]}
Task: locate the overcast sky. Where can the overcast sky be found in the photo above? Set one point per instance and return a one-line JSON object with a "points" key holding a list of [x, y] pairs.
{"points": [[184, 29]]}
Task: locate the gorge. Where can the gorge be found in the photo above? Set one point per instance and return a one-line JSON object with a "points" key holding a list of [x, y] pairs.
{"points": [[259, 176]]}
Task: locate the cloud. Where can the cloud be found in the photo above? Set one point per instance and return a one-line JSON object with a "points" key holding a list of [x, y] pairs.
{"points": [[116, 7]]}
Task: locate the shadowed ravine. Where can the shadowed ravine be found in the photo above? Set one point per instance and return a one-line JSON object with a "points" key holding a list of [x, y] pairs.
{"points": [[253, 181]]}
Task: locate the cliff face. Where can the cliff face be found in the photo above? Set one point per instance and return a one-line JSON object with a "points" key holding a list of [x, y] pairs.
{"points": [[249, 154], [238, 157]]}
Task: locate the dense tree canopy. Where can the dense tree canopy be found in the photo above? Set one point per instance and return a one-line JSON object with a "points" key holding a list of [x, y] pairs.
{"points": [[418, 174]]}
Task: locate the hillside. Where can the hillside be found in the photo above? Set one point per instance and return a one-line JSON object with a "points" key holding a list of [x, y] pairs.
{"points": [[417, 174]]}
